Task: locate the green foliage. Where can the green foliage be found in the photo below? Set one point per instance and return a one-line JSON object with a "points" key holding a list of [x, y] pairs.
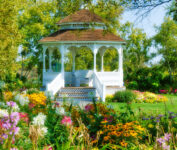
{"points": [[126, 96], [132, 85], [10, 36], [37, 20], [84, 59], [136, 50], [166, 42]]}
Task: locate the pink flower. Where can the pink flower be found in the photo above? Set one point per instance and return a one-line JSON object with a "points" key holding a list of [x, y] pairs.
{"points": [[66, 121], [48, 147]]}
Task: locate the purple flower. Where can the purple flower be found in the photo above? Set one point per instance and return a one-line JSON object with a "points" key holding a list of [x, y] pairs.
{"points": [[160, 116], [11, 104], [170, 112], [167, 137], [160, 141], [171, 117], [157, 120], [144, 118], [152, 117]]}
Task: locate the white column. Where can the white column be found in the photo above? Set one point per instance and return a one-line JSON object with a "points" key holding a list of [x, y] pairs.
{"points": [[44, 51], [120, 50], [50, 60], [102, 64], [120, 59], [62, 51], [95, 50]]}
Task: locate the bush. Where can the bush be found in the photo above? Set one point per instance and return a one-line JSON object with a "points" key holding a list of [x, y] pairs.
{"points": [[133, 85], [126, 96], [109, 98]]}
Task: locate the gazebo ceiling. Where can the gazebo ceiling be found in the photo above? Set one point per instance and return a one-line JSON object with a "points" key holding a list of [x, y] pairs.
{"points": [[83, 15], [82, 35]]}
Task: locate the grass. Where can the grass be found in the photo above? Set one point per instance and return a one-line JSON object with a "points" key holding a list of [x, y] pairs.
{"points": [[170, 105]]}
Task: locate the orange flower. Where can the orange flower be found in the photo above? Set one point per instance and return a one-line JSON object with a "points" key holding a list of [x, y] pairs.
{"points": [[123, 144]]}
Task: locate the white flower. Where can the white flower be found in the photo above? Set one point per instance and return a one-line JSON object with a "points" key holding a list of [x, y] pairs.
{"points": [[15, 108], [60, 111], [44, 130], [3, 112], [23, 100], [39, 119]]}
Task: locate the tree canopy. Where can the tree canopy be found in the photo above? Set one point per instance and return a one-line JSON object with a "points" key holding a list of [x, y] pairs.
{"points": [[10, 36]]}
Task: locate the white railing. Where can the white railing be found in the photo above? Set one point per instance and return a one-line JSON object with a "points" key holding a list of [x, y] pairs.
{"points": [[111, 78], [56, 84], [99, 85]]}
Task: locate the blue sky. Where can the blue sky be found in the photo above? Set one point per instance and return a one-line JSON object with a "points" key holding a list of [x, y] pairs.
{"points": [[155, 18]]}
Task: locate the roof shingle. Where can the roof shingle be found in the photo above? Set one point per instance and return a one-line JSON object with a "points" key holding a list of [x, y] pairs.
{"points": [[83, 15], [81, 35]]}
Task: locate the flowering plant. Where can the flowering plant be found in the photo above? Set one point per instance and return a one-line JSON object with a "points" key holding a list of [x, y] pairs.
{"points": [[121, 134], [37, 98], [148, 97], [8, 123]]}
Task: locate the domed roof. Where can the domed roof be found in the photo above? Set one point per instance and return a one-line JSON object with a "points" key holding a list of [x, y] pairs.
{"points": [[83, 15]]}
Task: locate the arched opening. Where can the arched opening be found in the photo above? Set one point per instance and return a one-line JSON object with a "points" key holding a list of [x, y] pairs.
{"points": [[47, 59], [110, 59], [84, 59], [56, 60]]}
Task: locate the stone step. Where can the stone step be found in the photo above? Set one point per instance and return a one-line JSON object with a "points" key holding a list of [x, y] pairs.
{"points": [[60, 98], [77, 89], [76, 94]]}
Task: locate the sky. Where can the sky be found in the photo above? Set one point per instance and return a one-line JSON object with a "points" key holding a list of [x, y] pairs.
{"points": [[155, 18]]}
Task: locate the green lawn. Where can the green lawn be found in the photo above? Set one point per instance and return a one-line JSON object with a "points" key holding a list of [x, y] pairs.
{"points": [[171, 105]]}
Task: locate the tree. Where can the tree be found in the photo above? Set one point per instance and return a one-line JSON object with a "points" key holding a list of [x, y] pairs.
{"points": [[36, 20], [10, 36], [166, 43], [136, 50], [144, 7]]}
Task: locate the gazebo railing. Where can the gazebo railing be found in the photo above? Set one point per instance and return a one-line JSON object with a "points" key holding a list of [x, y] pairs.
{"points": [[100, 87], [56, 84]]}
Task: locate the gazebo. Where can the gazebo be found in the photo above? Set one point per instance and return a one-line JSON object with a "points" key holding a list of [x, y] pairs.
{"points": [[82, 29]]}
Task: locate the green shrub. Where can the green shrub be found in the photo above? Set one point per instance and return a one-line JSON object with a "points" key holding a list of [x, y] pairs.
{"points": [[133, 85], [126, 96]]}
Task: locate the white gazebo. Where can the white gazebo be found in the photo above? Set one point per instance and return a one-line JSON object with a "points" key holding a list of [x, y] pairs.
{"points": [[82, 29]]}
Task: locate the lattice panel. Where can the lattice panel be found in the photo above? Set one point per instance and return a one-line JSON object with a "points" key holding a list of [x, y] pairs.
{"points": [[78, 94]]}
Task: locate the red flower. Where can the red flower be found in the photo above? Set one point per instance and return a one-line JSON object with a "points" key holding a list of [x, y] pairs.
{"points": [[24, 117], [89, 107], [31, 105]]}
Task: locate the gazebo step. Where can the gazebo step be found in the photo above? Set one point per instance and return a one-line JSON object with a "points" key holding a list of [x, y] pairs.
{"points": [[76, 93]]}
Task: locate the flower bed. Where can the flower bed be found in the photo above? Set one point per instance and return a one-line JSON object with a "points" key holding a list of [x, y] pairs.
{"points": [[46, 124], [136, 97], [148, 97]]}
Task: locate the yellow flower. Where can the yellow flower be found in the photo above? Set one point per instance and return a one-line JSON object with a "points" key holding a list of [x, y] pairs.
{"points": [[150, 126], [96, 148], [8, 96]]}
